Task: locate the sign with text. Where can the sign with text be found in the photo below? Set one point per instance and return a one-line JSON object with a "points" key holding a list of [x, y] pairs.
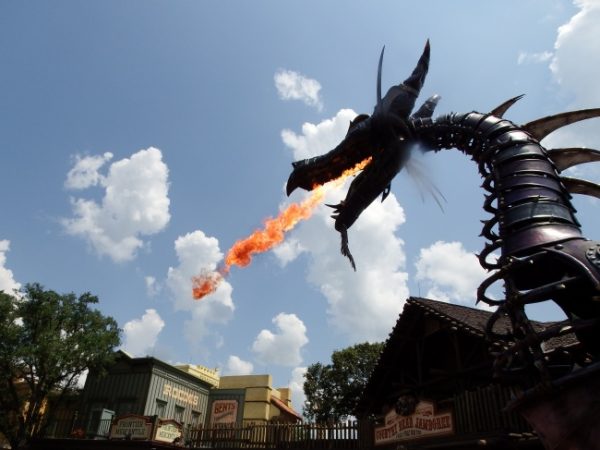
{"points": [[224, 412], [182, 395], [131, 426], [167, 431], [424, 422]]}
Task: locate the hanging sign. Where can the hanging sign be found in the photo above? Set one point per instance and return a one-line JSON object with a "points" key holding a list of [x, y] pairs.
{"points": [[424, 422], [224, 412], [167, 431], [131, 426]]}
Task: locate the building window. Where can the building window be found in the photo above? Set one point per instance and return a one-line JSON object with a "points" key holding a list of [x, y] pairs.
{"points": [[195, 419], [99, 422], [179, 414], [161, 408]]}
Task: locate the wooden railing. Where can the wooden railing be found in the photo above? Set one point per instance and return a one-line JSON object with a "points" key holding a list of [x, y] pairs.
{"points": [[278, 436]]}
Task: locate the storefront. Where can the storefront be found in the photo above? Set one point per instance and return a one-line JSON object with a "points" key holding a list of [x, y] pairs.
{"points": [[250, 399], [145, 387], [433, 386]]}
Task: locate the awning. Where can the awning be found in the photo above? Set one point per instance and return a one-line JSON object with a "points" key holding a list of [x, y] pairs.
{"points": [[285, 408]]}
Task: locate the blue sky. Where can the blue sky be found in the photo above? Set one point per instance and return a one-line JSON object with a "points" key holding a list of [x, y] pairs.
{"points": [[139, 140]]}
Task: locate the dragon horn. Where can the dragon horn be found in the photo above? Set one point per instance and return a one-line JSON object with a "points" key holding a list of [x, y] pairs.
{"points": [[499, 111], [379, 76], [540, 128], [426, 110], [563, 158], [405, 94], [578, 186], [417, 78]]}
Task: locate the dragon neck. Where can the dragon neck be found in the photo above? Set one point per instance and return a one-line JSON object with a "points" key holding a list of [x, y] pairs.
{"points": [[529, 204]]}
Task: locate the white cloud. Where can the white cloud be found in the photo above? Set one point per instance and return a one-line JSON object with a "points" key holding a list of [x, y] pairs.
{"points": [[575, 69], [197, 252], [135, 204], [575, 49], [237, 366], [85, 172], [283, 347], [365, 304], [318, 139], [295, 86], [8, 283], [152, 286], [534, 58], [450, 272], [140, 335], [288, 250], [297, 388]]}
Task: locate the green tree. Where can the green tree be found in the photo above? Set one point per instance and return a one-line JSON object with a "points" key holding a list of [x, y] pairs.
{"points": [[333, 390], [47, 340]]}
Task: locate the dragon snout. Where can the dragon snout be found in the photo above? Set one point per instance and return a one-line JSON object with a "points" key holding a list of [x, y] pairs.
{"points": [[293, 182]]}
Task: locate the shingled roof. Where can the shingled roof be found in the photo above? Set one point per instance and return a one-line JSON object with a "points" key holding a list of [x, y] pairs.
{"points": [[475, 320], [467, 319]]}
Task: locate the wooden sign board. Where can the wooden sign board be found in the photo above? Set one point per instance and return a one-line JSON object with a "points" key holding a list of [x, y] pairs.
{"points": [[224, 412], [167, 430], [131, 426], [423, 423]]}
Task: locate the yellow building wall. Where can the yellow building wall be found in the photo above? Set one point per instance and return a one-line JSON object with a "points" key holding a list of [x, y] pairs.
{"points": [[211, 376], [259, 391]]}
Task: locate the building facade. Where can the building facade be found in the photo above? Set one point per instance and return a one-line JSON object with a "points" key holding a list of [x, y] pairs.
{"points": [[250, 399], [434, 385], [146, 387]]}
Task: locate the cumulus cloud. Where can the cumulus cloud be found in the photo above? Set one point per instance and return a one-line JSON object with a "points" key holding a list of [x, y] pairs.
{"points": [[197, 252], [140, 335], [320, 138], [577, 42], [295, 86], [574, 70], [135, 203], [363, 305], [282, 347], [297, 388], [288, 250], [85, 171], [8, 283], [237, 366], [437, 269]]}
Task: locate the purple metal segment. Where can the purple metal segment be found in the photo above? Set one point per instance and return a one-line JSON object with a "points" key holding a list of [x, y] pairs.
{"points": [[537, 236], [516, 196], [492, 124], [519, 151], [515, 182], [515, 167], [535, 212], [510, 138], [566, 417]]}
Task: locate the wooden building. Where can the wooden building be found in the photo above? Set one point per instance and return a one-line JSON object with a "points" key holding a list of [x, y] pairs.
{"points": [[433, 386], [146, 387]]}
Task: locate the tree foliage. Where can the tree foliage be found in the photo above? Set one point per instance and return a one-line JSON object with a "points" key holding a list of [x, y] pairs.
{"points": [[47, 340], [333, 390]]}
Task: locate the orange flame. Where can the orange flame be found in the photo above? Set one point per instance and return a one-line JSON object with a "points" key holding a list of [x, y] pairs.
{"points": [[271, 235]]}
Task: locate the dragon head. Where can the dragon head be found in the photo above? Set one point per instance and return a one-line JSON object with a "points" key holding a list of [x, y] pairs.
{"points": [[385, 137]]}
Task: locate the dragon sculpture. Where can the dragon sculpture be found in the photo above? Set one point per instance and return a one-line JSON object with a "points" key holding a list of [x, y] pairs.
{"points": [[543, 253]]}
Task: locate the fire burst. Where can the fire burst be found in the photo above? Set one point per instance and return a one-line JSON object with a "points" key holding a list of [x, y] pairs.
{"points": [[269, 236]]}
